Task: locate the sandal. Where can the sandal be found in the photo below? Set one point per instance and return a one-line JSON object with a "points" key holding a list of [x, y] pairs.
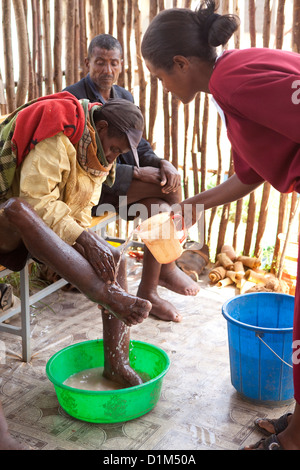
{"points": [[279, 424], [6, 296], [270, 443]]}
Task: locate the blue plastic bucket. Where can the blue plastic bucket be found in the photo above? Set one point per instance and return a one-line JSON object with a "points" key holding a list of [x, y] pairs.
{"points": [[260, 336]]}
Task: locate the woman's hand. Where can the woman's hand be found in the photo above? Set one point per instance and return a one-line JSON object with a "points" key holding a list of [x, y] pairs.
{"points": [[231, 190], [98, 254]]}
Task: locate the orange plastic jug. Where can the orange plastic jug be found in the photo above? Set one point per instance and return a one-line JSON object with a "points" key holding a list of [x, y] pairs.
{"points": [[160, 235]]}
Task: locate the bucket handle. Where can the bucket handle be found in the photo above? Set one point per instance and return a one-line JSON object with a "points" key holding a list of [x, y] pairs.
{"points": [[259, 337]]}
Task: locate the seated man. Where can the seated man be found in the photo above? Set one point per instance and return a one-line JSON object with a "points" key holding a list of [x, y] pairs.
{"points": [[58, 151], [150, 181]]}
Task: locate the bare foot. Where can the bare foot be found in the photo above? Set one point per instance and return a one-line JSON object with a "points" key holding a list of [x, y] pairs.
{"points": [[161, 309], [123, 374], [128, 308], [177, 281]]}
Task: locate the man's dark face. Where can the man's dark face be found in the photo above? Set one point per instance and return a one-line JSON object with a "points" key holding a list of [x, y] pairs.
{"points": [[104, 67], [112, 146]]}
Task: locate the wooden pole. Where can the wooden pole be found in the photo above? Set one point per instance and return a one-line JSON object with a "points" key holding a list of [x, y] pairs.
{"points": [[48, 76], [23, 81], [296, 27], [8, 56], [57, 51], [153, 86]]}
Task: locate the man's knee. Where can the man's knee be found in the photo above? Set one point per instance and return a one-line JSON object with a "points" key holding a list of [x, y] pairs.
{"points": [[13, 208]]}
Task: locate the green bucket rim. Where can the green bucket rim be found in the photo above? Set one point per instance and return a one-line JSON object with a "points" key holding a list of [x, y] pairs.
{"points": [[121, 391]]}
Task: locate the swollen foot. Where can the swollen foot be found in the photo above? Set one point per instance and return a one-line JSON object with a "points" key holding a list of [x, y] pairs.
{"points": [[128, 308], [177, 281], [161, 308], [122, 374]]}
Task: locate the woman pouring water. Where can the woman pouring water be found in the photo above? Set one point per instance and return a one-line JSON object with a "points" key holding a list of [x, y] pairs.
{"points": [[256, 93]]}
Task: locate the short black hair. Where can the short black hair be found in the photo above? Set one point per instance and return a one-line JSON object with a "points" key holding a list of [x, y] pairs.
{"points": [[104, 41]]}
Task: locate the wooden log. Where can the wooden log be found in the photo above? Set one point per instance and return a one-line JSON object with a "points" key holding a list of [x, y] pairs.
{"points": [[229, 251], [237, 221], [57, 50], [142, 81], [69, 43], [213, 211], [185, 152], [293, 213], [249, 261], [82, 38], [255, 277], [267, 23], [280, 22], [262, 221], [196, 142], [225, 282], [34, 47], [296, 27], [37, 45], [225, 261], [237, 34], [167, 135], [31, 74], [48, 75], [111, 17], [3, 107], [252, 23], [120, 35], [280, 229], [225, 215], [216, 274], [204, 142], [23, 80], [250, 223], [174, 130], [130, 72], [76, 60], [152, 113], [239, 269]]}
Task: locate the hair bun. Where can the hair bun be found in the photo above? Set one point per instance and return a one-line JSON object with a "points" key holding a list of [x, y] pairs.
{"points": [[220, 28], [208, 23]]}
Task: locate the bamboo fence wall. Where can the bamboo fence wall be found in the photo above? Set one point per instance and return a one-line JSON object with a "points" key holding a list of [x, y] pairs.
{"points": [[44, 45]]}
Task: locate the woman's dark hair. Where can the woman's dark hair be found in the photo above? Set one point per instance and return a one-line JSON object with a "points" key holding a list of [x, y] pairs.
{"points": [[180, 31]]}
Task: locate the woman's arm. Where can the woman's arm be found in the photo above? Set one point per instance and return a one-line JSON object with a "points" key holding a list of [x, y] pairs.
{"points": [[231, 190]]}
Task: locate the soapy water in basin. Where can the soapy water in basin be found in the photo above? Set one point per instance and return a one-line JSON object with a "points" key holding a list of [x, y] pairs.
{"points": [[93, 380]]}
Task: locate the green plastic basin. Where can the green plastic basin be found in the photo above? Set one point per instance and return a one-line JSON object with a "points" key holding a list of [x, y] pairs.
{"points": [[111, 406]]}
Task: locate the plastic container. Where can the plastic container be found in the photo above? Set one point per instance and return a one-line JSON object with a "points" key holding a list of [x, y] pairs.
{"points": [[111, 406], [161, 237], [260, 325]]}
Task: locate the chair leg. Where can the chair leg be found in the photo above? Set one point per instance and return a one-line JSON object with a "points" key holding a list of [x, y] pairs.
{"points": [[25, 314]]}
